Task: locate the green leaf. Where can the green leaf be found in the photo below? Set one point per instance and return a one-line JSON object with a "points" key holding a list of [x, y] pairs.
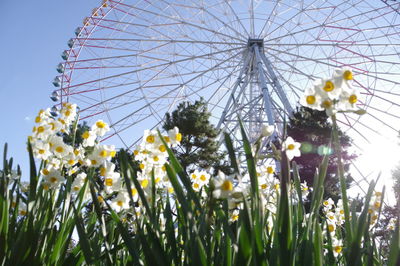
{"points": [[231, 152]]}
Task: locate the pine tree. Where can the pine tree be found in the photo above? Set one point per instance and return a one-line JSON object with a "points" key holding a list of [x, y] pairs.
{"points": [[313, 130], [199, 146]]}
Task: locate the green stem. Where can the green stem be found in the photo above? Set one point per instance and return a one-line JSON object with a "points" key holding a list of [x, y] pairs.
{"points": [[338, 151]]}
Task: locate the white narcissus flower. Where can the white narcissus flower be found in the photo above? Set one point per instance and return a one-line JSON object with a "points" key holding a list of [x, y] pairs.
{"points": [[78, 183], [41, 150], [349, 99], [89, 138], [174, 136], [343, 77], [267, 130], [121, 202], [100, 128], [328, 203], [54, 178], [311, 99], [327, 88], [223, 186], [112, 182], [291, 147], [337, 246]]}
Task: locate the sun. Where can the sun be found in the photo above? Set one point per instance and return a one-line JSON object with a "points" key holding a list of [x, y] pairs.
{"points": [[380, 158]]}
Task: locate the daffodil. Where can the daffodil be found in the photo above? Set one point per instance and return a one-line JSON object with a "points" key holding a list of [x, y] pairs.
{"points": [[89, 138], [120, 202], [100, 128], [174, 136], [291, 147], [223, 186]]}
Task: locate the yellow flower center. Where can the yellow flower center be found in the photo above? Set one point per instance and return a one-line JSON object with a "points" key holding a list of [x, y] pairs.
{"points": [[338, 249], [103, 153], [76, 152], [194, 176], [235, 217], [135, 152], [86, 135], [59, 149], [22, 212], [327, 104], [329, 86], [102, 171], [164, 168], [195, 185], [264, 186], [310, 99], [93, 162], [352, 99], [277, 186], [100, 199], [331, 228], [134, 191], [67, 113], [156, 159], [347, 75], [45, 172], [141, 166], [40, 129], [76, 188], [150, 139], [144, 183], [41, 151], [100, 124], [162, 148], [112, 154], [38, 119], [71, 162], [290, 147], [203, 178], [157, 180], [227, 185], [167, 139], [120, 203], [326, 203], [53, 179], [178, 137], [377, 204], [270, 170], [109, 182], [46, 187]]}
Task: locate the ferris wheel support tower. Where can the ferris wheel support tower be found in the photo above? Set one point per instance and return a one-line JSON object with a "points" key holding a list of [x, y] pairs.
{"points": [[251, 96]]}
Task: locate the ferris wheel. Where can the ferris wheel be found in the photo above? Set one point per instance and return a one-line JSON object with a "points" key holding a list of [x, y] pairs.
{"points": [[132, 61]]}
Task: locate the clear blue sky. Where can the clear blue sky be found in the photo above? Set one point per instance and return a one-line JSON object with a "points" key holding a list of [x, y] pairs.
{"points": [[33, 35]]}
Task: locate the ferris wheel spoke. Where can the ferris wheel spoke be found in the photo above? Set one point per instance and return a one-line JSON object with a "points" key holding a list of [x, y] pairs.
{"points": [[318, 26], [148, 68], [281, 25], [268, 20], [179, 20], [228, 3], [238, 34], [164, 95], [152, 40]]}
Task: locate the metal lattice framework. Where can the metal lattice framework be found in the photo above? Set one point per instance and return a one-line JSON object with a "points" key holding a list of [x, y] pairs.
{"points": [[134, 60]]}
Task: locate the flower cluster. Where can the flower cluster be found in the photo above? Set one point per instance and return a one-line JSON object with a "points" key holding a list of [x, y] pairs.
{"points": [[334, 219], [62, 157], [332, 94], [152, 155]]}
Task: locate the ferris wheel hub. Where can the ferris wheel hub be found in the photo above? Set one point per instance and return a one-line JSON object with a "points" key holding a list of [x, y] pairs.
{"points": [[257, 42]]}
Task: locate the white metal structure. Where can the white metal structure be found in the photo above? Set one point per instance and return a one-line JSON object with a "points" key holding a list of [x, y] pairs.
{"points": [[134, 60]]}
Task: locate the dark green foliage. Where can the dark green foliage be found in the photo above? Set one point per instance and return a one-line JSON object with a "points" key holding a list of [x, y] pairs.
{"points": [[313, 130], [199, 146]]}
